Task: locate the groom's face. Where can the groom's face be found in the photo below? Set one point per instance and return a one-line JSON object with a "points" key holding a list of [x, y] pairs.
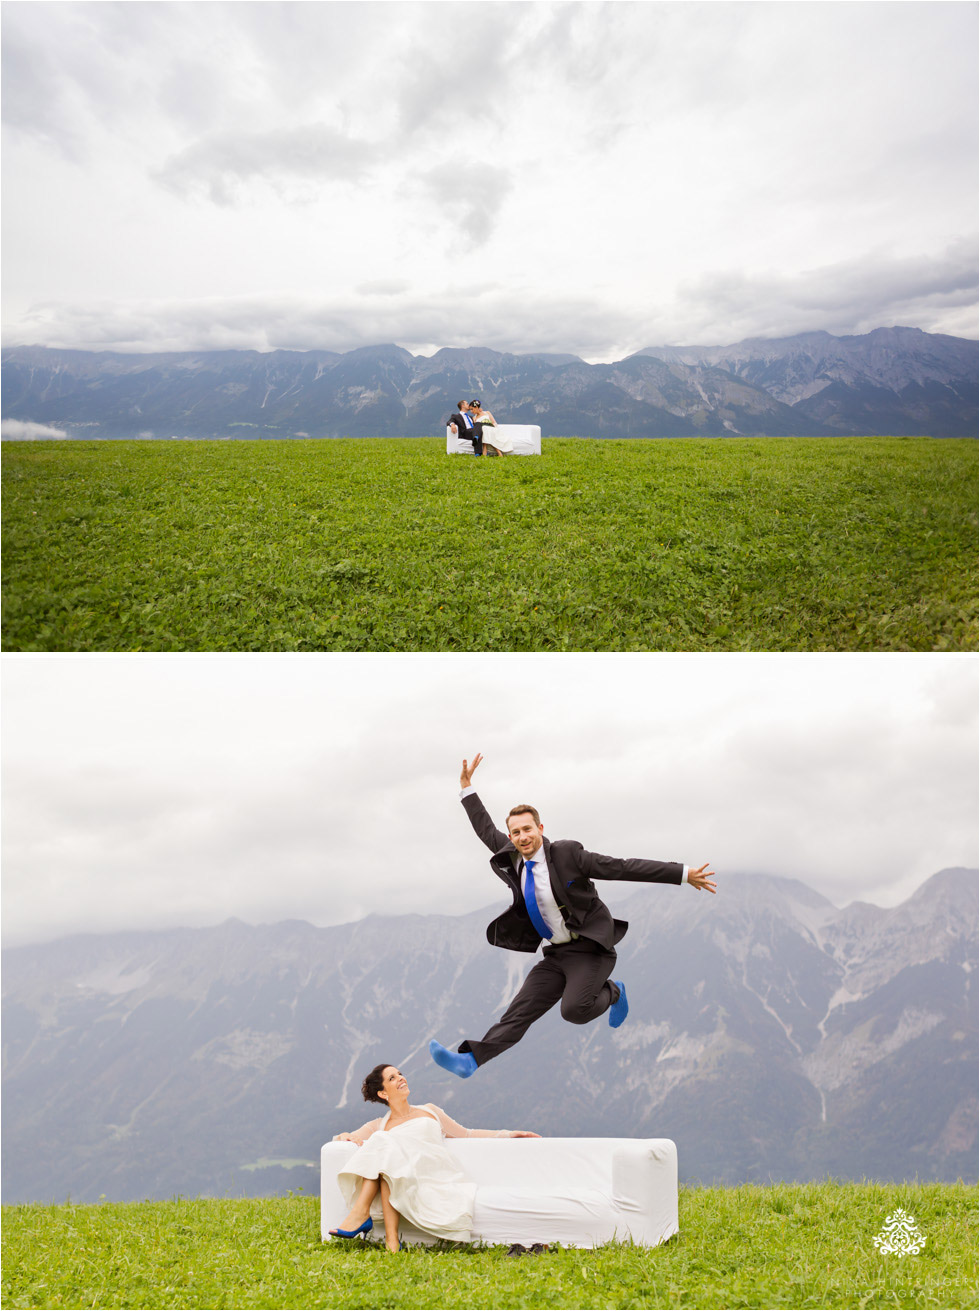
{"points": [[524, 833]]}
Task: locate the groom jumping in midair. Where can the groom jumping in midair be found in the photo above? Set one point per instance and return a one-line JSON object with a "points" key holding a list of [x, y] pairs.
{"points": [[555, 902]]}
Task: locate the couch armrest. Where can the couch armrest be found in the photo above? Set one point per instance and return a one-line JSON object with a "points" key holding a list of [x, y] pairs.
{"points": [[644, 1181], [333, 1208]]}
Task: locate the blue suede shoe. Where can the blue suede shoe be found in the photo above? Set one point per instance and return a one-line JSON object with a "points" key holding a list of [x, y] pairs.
{"points": [[461, 1063], [619, 1010], [365, 1228]]}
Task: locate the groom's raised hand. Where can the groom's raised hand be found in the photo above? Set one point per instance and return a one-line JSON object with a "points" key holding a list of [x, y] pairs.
{"points": [[466, 774], [700, 880]]}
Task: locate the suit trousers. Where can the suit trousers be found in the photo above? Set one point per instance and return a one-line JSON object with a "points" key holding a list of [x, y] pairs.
{"points": [[576, 973]]}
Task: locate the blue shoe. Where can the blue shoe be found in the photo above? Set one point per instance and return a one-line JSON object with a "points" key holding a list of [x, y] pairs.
{"points": [[365, 1228], [461, 1063], [619, 1010]]}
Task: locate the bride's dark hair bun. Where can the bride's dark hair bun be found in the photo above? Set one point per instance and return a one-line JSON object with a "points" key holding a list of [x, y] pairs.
{"points": [[373, 1084]]}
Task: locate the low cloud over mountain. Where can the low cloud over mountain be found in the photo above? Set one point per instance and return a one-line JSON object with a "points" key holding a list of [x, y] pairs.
{"points": [[13, 430]]}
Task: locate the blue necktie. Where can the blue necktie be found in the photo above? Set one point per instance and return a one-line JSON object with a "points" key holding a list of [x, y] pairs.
{"points": [[531, 901]]}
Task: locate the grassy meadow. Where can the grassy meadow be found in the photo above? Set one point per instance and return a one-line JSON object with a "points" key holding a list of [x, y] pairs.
{"points": [[765, 544], [806, 1245]]}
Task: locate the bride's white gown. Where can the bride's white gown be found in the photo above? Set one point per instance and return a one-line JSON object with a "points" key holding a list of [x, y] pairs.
{"points": [[427, 1186], [501, 440]]}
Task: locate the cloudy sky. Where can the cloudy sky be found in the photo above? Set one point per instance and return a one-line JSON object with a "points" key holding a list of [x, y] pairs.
{"points": [[575, 177], [155, 791]]}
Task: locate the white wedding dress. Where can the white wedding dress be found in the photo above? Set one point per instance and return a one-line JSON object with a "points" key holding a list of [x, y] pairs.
{"points": [[499, 439], [427, 1186]]}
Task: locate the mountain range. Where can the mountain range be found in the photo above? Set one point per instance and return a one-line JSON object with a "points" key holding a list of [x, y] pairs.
{"points": [[771, 1034], [892, 381]]}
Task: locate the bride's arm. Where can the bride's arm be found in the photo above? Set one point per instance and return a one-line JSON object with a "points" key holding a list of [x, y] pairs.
{"points": [[359, 1136], [453, 1130]]}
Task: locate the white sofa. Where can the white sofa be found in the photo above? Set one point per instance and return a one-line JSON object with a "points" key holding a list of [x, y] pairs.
{"points": [[526, 439], [580, 1192]]}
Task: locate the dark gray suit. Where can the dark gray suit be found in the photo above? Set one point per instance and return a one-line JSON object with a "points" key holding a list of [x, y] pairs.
{"points": [[576, 972]]}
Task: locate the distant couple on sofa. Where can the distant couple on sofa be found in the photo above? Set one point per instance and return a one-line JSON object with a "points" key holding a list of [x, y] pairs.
{"points": [[470, 422]]}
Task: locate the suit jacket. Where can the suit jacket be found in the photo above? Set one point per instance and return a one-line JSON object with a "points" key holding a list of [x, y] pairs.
{"points": [[473, 433], [572, 870]]}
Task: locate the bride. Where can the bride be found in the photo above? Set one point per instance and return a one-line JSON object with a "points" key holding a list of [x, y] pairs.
{"points": [[403, 1163], [498, 442]]}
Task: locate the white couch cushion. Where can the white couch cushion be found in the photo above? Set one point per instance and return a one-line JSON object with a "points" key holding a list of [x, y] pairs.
{"points": [[579, 1217]]}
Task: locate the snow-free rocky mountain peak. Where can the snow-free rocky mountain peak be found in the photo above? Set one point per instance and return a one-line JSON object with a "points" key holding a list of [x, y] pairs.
{"points": [[771, 1035], [893, 381]]}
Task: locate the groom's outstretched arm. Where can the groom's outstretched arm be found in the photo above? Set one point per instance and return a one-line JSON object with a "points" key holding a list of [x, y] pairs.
{"points": [[596, 866], [483, 825], [631, 870]]}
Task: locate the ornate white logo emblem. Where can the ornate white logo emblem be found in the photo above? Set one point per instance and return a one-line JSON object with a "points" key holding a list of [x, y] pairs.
{"points": [[900, 1236]]}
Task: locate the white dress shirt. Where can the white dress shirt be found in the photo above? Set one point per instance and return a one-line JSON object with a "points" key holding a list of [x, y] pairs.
{"points": [[543, 894], [545, 898]]}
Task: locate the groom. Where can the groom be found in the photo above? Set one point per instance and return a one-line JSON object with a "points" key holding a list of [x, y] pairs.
{"points": [[555, 902], [464, 425]]}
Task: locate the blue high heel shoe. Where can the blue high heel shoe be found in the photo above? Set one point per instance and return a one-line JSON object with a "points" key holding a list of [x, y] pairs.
{"points": [[365, 1228]]}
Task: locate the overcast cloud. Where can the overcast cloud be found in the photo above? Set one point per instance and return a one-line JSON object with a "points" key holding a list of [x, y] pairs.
{"points": [[154, 791], [576, 177]]}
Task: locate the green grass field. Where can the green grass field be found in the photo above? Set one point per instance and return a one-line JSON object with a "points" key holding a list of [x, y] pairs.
{"points": [[808, 1245], [373, 545]]}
